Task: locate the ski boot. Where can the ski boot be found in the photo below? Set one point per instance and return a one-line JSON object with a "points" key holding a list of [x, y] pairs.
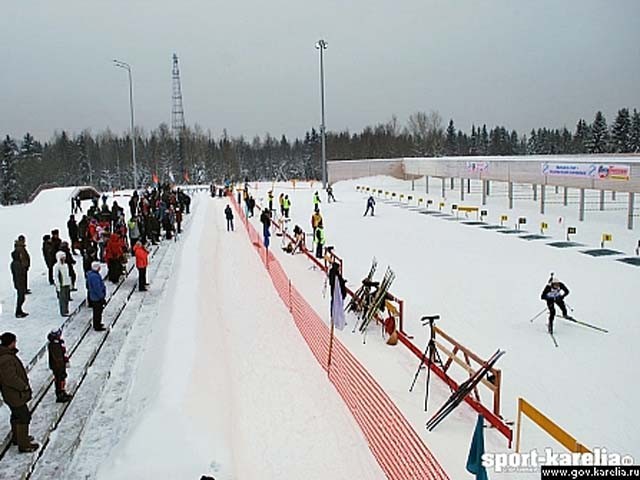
{"points": [[24, 444], [14, 434], [63, 397]]}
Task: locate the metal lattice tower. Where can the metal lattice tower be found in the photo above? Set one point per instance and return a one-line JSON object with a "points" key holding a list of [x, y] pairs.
{"points": [[177, 116]]}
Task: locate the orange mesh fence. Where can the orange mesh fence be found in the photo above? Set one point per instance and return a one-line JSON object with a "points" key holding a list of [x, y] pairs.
{"points": [[399, 450]]}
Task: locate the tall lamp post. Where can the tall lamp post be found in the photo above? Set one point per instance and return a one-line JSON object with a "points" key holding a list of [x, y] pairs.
{"points": [[127, 67], [321, 46]]}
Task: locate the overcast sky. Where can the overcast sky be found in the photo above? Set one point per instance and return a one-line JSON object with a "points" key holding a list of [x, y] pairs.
{"points": [[251, 65]]}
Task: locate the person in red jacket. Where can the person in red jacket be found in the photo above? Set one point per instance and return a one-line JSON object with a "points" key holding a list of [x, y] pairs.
{"points": [[114, 257], [142, 261]]}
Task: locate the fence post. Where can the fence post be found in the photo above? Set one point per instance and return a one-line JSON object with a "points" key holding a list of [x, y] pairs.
{"points": [[518, 425], [497, 393]]}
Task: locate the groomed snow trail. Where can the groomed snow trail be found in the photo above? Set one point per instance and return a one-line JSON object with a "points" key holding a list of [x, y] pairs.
{"points": [[226, 385]]}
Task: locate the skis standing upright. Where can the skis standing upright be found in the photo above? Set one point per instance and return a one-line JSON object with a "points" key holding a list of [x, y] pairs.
{"points": [[355, 303], [378, 298]]}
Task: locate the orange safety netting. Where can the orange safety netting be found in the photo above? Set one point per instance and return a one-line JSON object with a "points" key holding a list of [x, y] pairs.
{"points": [[399, 450]]}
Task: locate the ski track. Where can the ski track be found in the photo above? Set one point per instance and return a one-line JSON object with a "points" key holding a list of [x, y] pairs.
{"points": [[222, 383]]}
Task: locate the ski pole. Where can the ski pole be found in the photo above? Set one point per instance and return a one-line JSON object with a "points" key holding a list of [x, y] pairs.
{"points": [[537, 315]]}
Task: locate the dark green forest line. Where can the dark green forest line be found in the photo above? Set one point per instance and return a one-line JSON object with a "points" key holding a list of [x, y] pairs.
{"points": [[105, 159]]}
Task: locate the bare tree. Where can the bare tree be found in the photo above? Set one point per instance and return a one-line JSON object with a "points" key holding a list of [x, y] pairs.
{"points": [[427, 132]]}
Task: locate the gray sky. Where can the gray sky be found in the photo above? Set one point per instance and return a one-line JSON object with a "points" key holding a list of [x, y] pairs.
{"points": [[251, 65]]}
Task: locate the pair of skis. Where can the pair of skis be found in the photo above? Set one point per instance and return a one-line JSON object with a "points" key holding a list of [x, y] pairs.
{"points": [[585, 324], [355, 304], [569, 318], [378, 298], [463, 390]]}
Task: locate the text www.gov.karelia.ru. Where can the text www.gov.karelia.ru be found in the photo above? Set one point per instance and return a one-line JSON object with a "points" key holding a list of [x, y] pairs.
{"points": [[552, 473]]}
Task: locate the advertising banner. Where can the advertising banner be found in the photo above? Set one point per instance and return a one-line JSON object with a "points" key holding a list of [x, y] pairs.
{"points": [[614, 172], [569, 169], [587, 170], [477, 167]]}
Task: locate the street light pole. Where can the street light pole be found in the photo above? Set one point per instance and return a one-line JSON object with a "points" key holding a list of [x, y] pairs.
{"points": [[321, 45], [127, 67]]}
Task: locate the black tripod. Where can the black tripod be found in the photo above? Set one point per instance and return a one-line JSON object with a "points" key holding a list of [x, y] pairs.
{"points": [[430, 353]]}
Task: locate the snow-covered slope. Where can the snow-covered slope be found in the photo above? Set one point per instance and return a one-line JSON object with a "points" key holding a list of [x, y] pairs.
{"points": [[486, 286]]}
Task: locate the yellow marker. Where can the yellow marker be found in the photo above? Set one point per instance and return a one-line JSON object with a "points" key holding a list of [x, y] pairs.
{"points": [[401, 196], [543, 226], [607, 237], [503, 218], [420, 200], [441, 204]]}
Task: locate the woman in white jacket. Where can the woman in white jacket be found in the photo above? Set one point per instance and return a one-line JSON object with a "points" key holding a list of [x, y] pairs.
{"points": [[62, 280]]}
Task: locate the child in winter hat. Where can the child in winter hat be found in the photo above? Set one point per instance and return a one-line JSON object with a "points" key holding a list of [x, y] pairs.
{"points": [[58, 360]]}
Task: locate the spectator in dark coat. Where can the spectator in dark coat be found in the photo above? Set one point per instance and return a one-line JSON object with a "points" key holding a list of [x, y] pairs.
{"points": [[116, 211], [251, 205], [228, 213], [19, 274], [133, 203], [72, 227], [83, 235], [16, 392], [152, 226], [21, 247], [96, 295], [58, 360], [178, 220], [265, 219], [49, 256], [90, 256], [56, 241], [335, 274]]}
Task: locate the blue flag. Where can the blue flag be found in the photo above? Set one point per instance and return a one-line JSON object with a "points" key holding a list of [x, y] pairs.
{"points": [[474, 462]]}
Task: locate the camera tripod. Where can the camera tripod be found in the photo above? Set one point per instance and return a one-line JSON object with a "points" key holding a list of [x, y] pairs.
{"points": [[430, 354]]}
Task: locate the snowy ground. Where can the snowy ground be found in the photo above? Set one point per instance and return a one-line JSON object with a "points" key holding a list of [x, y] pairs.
{"points": [[204, 381], [486, 286], [206, 373], [50, 210]]}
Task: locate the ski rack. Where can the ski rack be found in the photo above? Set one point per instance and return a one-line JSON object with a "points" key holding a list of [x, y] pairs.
{"points": [[452, 350], [494, 419]]}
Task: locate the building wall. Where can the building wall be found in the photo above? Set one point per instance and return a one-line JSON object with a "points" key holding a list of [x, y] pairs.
{"points": [[527, 170]]}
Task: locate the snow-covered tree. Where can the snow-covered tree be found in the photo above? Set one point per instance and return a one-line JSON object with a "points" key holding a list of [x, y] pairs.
{"points": [[9, 188], [581, 137], [450, 147], [634, 135], [599, 138], [621, 132]]}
